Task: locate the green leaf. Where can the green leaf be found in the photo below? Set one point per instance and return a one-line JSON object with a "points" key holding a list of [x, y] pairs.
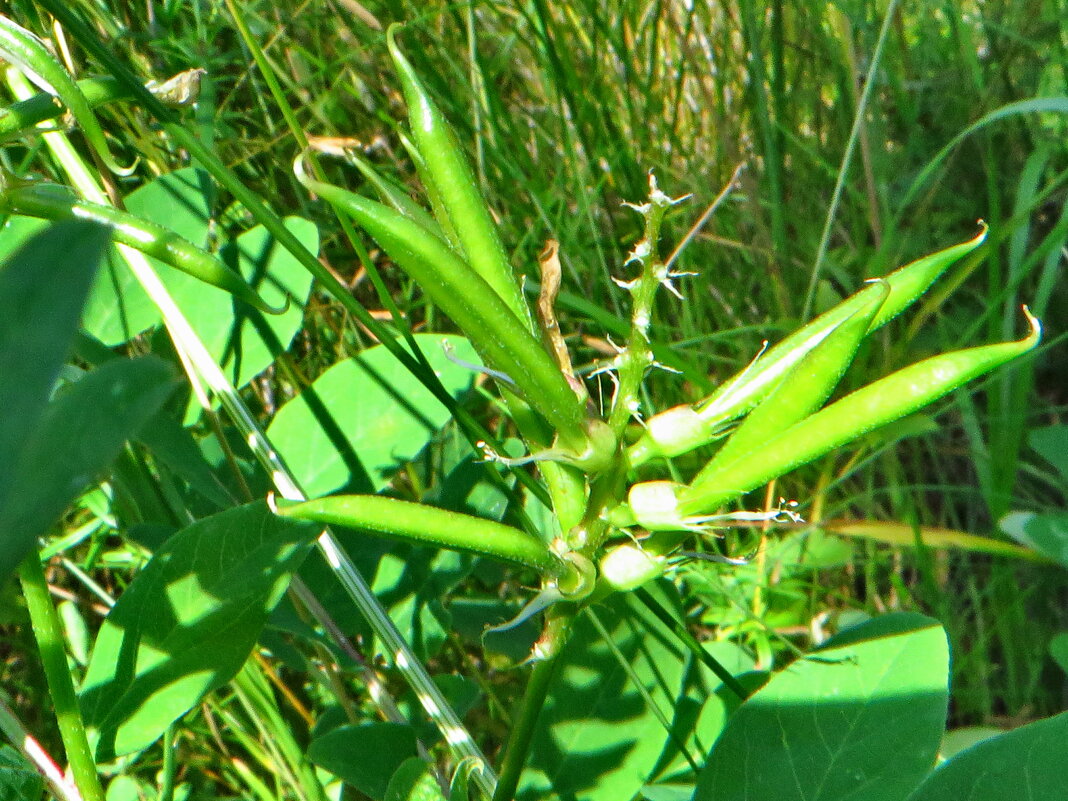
{"points": [[862, 718], [364, 417], [118, 308], [1047, 533], [1052, 445], [18, 779], [247, 345], [1026, 764], [702, 712], [187, 623], [598, 739], [414, 781], [244, 343], [42, 289], [174, 446], [364, 756], [958, 740], [15, 232], [80, 434]]}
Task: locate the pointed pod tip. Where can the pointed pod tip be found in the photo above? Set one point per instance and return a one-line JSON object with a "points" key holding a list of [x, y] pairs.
{"points": [[267, 308], [394, 48], [1035, 334], [118, 169]]}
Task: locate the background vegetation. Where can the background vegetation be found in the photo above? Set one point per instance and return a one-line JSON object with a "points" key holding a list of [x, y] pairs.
{"points": [[564, 108]]}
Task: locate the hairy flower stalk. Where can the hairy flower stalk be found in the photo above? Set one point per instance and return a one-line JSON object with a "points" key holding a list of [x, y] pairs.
{"points": [[633, 361]]}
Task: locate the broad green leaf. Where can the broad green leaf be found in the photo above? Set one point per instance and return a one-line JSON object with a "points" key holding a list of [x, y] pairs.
{"points": [[16, 231], [958, 740], [414, 781], [364, 756], [248, 342], [174, 446], [365, 417], [82, 431], [118, 308], [861, 718], [125, 788], [1027, 764], [18, 779], [1051, 443], [701, 712], [406, 589], [42, 289], [243, 341], [598, 739], [667, 792], [187, 623], [1047, 533]]}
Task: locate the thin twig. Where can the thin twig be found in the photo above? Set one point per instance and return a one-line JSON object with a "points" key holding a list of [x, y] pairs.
{"points": [[847, 157], [704, 218]]}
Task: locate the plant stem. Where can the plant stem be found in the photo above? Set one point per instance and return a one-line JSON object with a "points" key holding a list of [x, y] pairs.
{"points": [[166, 790], [518, 747], [638, 356], [48, 632]]}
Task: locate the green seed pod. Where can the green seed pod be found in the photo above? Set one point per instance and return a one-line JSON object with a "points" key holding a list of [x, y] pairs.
{"points": [[396, 196], [627, 567], [23, 49], [502, 340], [805, 387], [748, 388], [447, 170], [55, 202], [426, 525], [870, 407]]}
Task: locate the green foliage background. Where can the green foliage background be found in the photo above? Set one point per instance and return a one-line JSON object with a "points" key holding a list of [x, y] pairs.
{"points": [[564, 108]]}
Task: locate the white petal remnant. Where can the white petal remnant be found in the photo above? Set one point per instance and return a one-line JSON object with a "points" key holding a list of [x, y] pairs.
{"points": [[639, 253]]}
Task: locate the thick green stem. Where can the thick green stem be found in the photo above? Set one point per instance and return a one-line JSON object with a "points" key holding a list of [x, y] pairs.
{"points": [[518, 747], [48, 632]]}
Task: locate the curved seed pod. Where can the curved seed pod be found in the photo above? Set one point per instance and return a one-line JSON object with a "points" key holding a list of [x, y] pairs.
{"points": [[426, 525], [432, 194], [55, 202], [806, 387], [504, 343], [447, 169], [740, 394], [23, 49], [19, 118], [396, 196], [875, 405]]}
